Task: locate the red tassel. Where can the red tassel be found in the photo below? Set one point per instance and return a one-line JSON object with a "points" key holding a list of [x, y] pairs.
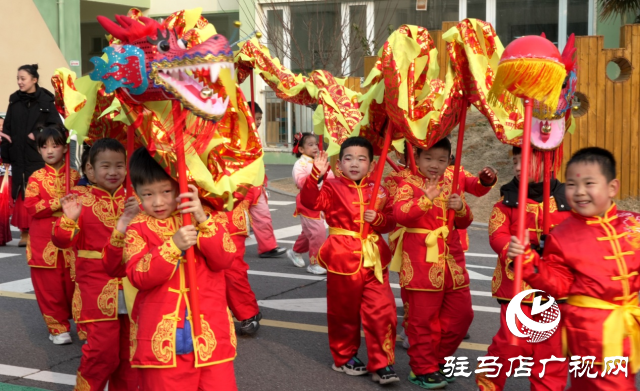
{"points": [[537, 163]]}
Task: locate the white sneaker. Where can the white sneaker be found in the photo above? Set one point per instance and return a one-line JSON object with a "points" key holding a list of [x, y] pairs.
{"points": [[316, 269], [295, 258], [61, 339], [405, 343]]}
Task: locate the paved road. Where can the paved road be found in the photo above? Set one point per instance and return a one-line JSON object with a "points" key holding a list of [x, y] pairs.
{"points": [[289, 352]]}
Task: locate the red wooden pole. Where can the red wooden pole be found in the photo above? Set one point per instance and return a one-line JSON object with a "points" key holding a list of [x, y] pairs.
{"points": [[67, 171], [378, 180], [393, 164], [410, 158], [522, 198], [455, 186], [130, 144], [186, 220], [546, 193]]}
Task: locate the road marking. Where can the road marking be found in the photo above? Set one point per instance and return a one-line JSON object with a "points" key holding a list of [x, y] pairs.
{"points": [[13, 243], [318, 305], [16, 295], [323, 329], [481, 267], [286, 275], [286, 241], [478, 255], [477, 276], [8, 255], [14, 229], [280, 203], [281, 233], [272, 210], [38, 375], [18, 286]]}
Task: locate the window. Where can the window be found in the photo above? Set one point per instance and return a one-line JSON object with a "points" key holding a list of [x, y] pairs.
{"points": [[516, 18], [477, 9]]}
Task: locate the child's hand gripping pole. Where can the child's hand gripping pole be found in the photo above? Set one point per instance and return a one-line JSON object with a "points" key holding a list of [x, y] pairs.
{"points": [[522, 198], [455, 185], [378, 179]]}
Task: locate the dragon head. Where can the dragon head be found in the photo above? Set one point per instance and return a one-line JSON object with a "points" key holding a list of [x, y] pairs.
{"points": [[548, 130], [150, 61]]}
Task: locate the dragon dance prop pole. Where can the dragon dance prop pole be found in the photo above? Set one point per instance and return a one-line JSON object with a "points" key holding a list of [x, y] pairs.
{"points": [[130, 136], [455, 185], [393, 164], [522, 198], [546, 193], [379, 171], [194, 299]]}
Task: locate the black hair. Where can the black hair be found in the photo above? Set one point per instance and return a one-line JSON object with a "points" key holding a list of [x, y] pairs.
{"points": [[443, 143], [357, 142], [599, 156], [144, 170], [258, 109], [84, 159], [105, 144], [300, 142], [516, 151], [57, 132], [31, 69]]}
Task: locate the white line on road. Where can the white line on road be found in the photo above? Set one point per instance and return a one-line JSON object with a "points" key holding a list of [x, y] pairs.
{"points": [[19, 286], [478, 255], [280, 203], [8, 255], [36, 374], [14, 229], [481, 267], [281, 233]]}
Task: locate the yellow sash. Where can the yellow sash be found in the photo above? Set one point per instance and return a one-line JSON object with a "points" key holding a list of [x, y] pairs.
{"points": [[89, 254], [370, 251], [622, 322], [431, 241]]}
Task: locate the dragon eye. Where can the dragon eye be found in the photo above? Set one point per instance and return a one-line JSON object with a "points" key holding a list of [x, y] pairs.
{"points": [[182, 44], [163, 46]]}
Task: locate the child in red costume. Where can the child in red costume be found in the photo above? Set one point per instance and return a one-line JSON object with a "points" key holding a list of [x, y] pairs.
{"points": [[314, 232], [592, 259], [90, 216], [358, 290], [432, 268], [52, 268], [240, 297], [163, 345], [502, 225]]}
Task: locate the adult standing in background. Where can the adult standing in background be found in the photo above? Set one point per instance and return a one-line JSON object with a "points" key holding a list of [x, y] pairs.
{"points": [[29, 108]]}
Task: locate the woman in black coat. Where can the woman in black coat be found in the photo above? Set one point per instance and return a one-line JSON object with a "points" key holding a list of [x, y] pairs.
{"points": [[30, 108]]}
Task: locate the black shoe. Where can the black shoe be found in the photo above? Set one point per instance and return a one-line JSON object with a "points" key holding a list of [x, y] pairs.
{"points": [[450, 378], [251, 325], [276, 252], [467, 336], [430, 381], [353, 367], [386, 375]]}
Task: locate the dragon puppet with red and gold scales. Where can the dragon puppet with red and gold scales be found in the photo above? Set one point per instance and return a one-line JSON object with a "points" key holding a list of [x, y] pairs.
{"points": [[156, 79]]}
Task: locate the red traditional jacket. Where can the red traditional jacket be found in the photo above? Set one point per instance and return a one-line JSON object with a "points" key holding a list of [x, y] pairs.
{"points": [[595, 262], [96, 294], [344, 203], [155, 267], [468, 183], [504, 224], [42, 200], [422, 253]]}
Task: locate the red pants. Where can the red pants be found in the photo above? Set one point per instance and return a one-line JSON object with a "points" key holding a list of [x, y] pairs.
{"points": [[361, 299], [262, 225], [20, 218], [240, 298], [313, 235], [436, 324], [54, 293], [185, 377], [105, 357], [555, 373]]}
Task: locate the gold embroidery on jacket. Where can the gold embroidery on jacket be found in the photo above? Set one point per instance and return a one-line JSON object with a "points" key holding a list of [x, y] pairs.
{"points": [[436, 273], [144, 264], [32, 190], [407, 207], [50, 254], [134, 244], [497, 278], [163, 339], [406, 273], [206, 342], [133, 341], [227, 243], [108, 299], [40, 206], [82, 384], [232, 330], [496, 220]]}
